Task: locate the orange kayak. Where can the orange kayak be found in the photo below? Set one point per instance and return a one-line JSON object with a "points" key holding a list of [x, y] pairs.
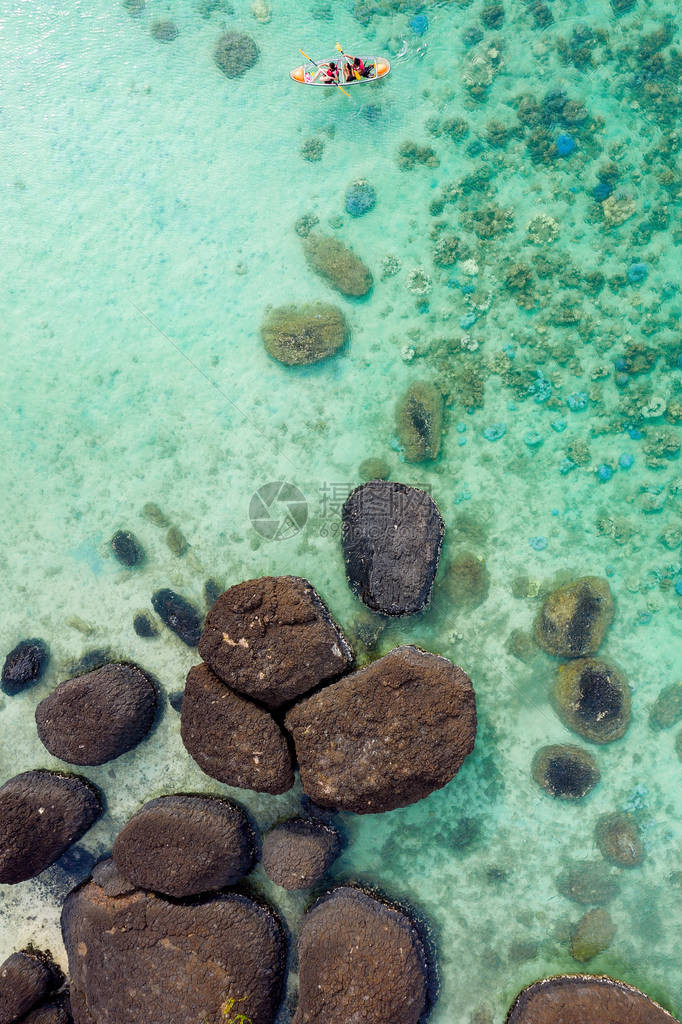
{"points": [[378, 67]]}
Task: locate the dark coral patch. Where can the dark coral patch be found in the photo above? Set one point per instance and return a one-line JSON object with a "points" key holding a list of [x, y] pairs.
{"points": [[565, 771], [593, 699]]}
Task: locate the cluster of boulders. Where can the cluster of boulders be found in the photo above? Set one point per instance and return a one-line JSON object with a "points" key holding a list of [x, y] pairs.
{"points": [[591, 696], [276, 691]]}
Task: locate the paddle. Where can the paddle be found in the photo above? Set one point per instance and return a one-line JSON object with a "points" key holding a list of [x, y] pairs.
{"points": [[344, 54], [317, 66]]}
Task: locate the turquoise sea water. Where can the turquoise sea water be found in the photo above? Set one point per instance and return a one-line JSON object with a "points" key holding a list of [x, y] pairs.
{"points": [[148, 218]]}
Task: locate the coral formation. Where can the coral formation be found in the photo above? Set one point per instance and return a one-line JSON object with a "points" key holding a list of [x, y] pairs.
{"points": [[235, 53], [419, 419], [300, 335]]}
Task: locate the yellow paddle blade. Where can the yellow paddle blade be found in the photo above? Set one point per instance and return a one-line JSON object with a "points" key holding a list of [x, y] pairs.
{"points": [[344, 91], [307, 57]]}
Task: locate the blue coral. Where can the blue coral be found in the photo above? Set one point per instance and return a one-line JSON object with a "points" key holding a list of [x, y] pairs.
{"points": [[577, 401], [637, 273], [419, 24], [565, 144], [495, 431], [360, 198]]}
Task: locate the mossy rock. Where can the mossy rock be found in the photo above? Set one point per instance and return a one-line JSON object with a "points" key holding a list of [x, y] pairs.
{"points": [[466, 580], [588, 883], [565, 771], [235, 53], [593, 933], [666, 710], [592, 698], [419, 421], [300, 335], [573, 619], [617, 837], [338, 265]]}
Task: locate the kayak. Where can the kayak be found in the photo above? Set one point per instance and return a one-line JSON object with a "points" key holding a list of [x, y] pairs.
{"points": [[378, 67]]}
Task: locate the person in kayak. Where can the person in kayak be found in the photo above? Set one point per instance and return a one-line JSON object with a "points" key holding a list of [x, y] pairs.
{"points": [[355, 70], [328, 72]]}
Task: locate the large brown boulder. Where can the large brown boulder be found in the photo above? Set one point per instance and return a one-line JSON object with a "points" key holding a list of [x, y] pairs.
{"points": [[573, 620], [24, 665], [273, 639], [181, 845], [387, 735], [98, 716], [392, 536], [298, 852], [231, 738], [586, 999], [360, 959], [141, 959], [25, 978], [54, 1012], [41, 814]]}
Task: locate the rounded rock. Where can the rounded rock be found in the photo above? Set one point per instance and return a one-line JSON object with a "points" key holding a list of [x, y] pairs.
{"points": [[127, 548], [617, 837], [164, 30], [301, 335], [338, 265], [573, 619], [585, 998], [466, 581], [592, 698], [666, 711], [54, 1012], [178, 614], [42, 814], [183, 845], [419, 421], [565, 771], [26, 978], [139, 958], [593, 933], [235, 53], [360, 959], [232, 739], [588, 883], [387, 735], [24, 665], [144, 625], [273, 639], [392, 537], [297, 853], [96, 717]]}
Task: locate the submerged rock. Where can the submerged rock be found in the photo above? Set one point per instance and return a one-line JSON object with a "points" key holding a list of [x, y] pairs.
{"points": [[338, 265], [392, 536], [573, 619], [42, 813], [466, 581], [24, 665], [144, 625], [164, 30], [419, 421], [592, 698], [235, 53], [300, 335], [360, 959], [617, 837], [179, 615], [98, 716], [141, 959], [588, 883], [25, 978], [182, 845], [273, 639], [593, 933], [127, 548], [666, 710], [231, 738], [565, 771], [387, 735], [584, 998], [297, 853]]}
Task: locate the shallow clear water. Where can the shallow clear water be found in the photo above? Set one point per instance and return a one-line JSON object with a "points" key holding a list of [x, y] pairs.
{"points": [[148, 217]]}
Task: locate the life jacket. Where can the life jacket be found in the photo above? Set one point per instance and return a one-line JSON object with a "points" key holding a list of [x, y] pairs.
{"points": [[359, 69]]}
